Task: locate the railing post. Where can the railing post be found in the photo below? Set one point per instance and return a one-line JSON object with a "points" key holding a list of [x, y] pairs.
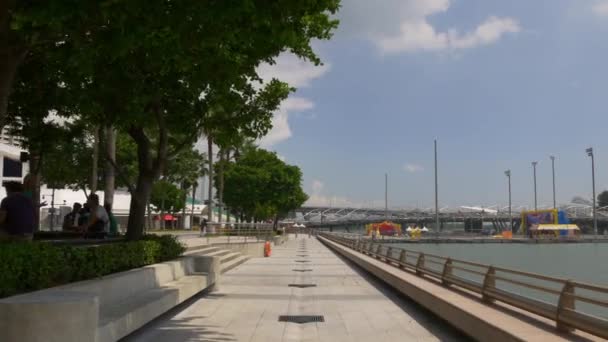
{"points": [[420, 264], [389, 252], [489, 282], [377, 253], [566, 301], [403, 258], [447, 272]]}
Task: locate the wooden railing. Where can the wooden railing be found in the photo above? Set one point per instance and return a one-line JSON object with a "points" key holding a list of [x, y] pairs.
{"points": [[571, 304]]}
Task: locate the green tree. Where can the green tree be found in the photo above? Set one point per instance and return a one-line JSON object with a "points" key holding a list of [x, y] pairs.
{"points": [[602, 199], [26, 26], [187, 65], [167, 198], [261, 186]]}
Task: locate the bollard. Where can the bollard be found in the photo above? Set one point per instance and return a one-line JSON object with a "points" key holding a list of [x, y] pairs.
{"points": [[566, 301]]}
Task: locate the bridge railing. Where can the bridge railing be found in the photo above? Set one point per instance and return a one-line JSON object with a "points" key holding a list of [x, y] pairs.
{"points": [[571, 304]]}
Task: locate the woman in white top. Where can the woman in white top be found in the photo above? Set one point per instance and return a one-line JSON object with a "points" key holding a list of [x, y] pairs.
{"points": [[98, 219]]}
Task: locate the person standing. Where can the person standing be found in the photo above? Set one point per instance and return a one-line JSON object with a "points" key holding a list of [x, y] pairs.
{"points": [[16, 214], [204, 227]]}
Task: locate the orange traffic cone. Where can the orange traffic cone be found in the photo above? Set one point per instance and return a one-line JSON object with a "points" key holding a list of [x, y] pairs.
{"points": [[267, 249]]}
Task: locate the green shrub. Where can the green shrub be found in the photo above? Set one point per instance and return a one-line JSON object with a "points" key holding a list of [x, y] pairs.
{"points": [[32, 266]]}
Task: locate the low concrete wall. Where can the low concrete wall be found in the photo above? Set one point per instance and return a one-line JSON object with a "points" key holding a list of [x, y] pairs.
{"points": [[467, 313], [253, 249], [107, 308]]}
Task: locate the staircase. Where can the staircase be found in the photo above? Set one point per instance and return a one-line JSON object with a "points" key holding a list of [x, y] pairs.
{"points": [[228, 259]]}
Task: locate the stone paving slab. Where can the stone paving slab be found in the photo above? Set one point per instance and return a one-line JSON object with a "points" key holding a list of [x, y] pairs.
{"points": [[252, 296]]}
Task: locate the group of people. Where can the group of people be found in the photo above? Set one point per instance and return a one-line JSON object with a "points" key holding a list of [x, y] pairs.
{"points": [[91, 218], [18, 216]]}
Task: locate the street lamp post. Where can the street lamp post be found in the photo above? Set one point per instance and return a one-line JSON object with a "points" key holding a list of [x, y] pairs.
{"points": [[437, 227], [535, 198], [590, 154], [553, 172], [508, 174], [386, 196]]}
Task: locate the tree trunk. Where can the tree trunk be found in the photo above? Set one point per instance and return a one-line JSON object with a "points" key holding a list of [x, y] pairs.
{"points": [[183, 220], [149, 168], [149, 217], [220, 195], [10, 57], [210, 205], [94, 164], [137, 209], [35, 172], [110, 176], [192, 211]]}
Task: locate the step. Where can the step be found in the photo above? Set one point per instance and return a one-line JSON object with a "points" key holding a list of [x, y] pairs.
{"points": [[201, 250], [230, 256], [234, 263], [219, 252]]}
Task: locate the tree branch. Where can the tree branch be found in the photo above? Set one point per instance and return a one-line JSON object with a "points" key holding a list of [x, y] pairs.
{"points": [[121, 174]]}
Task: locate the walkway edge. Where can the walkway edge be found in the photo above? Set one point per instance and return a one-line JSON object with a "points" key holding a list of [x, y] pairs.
{"points": [[472, 317]]}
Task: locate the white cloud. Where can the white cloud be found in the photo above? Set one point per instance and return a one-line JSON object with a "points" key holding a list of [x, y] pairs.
{"points": [[299, 74], [291, 69], [280, 124], [413, 168], [403, 26], [601, 8], [317, 198]]}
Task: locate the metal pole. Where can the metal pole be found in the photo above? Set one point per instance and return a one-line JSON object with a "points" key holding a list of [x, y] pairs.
{"points": [[386, 196], [52, 209], [437, 227], [553, 171], [508, 173], [535, 198], [590, 153]]}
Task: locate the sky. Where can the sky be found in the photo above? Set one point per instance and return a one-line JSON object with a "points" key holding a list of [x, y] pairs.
{"points": [[499, 84]]}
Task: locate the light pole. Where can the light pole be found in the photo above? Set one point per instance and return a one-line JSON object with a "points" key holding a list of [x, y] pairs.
{"points": [[386, 196], [437, 227], [535, 198], [590, 154], [508, 174], [553, 172]]}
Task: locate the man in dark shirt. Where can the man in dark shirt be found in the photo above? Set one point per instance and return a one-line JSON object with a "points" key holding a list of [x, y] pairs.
{"points": [[71, 221], [16, 214]]}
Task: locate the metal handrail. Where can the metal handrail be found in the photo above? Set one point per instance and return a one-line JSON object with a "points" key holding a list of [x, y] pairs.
{"points": [[564, 313]]}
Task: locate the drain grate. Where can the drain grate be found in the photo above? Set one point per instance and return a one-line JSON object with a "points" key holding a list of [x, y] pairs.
{"points": [[306, 270], [302, 261], [302, 286], [302, 319]]}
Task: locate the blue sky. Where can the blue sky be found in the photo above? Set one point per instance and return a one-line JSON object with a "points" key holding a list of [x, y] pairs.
{"points": [[498, 83]]}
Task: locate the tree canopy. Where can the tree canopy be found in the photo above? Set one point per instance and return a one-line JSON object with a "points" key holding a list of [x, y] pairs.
{"points": [[159, 73], [259, 185], [602, 199]]}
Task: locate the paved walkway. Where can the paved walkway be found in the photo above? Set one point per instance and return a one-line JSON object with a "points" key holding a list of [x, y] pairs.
{"points": [[253, 296]]}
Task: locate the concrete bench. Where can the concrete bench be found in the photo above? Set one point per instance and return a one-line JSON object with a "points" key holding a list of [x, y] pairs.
{"points": [[107, 308]]}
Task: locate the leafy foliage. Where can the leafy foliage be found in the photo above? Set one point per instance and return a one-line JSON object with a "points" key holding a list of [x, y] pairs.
{"points": [[602, 199], [37, 265], [167, 197], [261, 186]]}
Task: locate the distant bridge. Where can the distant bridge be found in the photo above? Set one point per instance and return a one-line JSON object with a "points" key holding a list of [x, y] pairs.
{"points": [[320, 216]]}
